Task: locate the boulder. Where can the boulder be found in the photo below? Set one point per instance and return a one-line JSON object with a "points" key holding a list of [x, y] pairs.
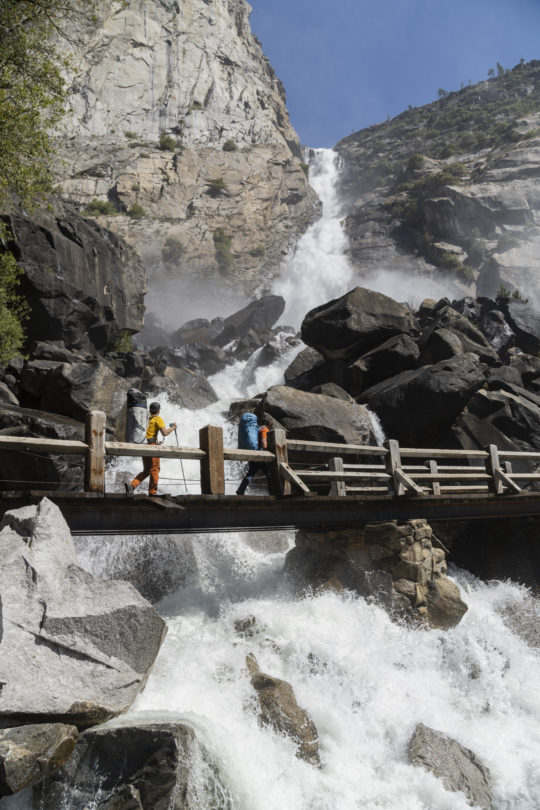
{"points": [[457, 767], [30, 753], [199, 330], [259, 315], [516, 413], [440, 344], [84, 285], [197, 357], [496, 330], [416, 406], [40, 471], [351, 325], [332, 390], [56, 350], [395, 355], [279, 709], [6, 395], [74, 649], [317, 417], [459, 327], [153, 766], [155, 564], [524, 320]]}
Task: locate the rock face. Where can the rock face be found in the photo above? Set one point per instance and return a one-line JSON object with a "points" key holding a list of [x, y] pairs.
{"points": [[73, 648], [84, 285], [448, 192], [228, 165], [158, 765], [397, 564], [457, 767], [279, 709], [30, 753]]}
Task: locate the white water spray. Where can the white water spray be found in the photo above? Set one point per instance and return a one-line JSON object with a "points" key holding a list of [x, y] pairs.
{"points": [[319, 269]]}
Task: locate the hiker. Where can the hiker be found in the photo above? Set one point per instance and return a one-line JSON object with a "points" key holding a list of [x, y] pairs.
{"points": [[151, 465], [251, 436]]}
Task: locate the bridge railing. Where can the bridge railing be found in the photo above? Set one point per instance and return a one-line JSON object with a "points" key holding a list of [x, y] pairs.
{"points": [[369, 471]]}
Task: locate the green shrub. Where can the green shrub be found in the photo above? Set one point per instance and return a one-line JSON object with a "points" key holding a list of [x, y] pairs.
{"points": [[216, 186], [130, 135], [136, 211], [222, 247], [450, 261], [97, 208], [506, 241], [258, 251], [196, 105], [415, 162], [123, 342], [305, 169], [172, 252], [167, 143], [13, 310], [229, 146]]}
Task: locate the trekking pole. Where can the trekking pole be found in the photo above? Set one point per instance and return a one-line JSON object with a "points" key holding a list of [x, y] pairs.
{"points": [[181, 462]]}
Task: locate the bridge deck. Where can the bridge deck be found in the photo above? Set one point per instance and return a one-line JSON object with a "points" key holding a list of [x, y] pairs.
{"points": [[93, 513]]}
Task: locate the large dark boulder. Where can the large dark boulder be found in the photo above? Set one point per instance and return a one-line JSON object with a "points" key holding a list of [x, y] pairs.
{"points": [[351, 325], [259, 315], [197, 357], [150, 766], [30, 753], [37, 470], [416, 406], [524, 320], [458, 767], [317, 417], [85, 285], [199, 330], [395, 355], [460, 336], [516, 413], [73, 649]]}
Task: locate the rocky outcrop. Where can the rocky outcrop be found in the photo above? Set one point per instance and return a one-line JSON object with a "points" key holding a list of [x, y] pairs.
{"points": [[154, 765], [174, 109], [401, 566], [30, 753], [84, 285], [74, 649], [448, 192], [458, 767], [279, 709]]}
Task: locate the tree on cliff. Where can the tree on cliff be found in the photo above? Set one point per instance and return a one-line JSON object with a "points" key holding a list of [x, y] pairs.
{"points": [[31, 102]]}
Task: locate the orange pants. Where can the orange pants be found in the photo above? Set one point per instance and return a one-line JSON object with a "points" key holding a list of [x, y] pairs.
{"points": [[150, 468]]}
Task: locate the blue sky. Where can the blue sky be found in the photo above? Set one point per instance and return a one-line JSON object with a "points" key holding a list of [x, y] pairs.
{"points": [[347, 64]]}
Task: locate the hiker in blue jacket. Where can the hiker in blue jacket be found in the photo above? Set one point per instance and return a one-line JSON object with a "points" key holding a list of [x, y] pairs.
{"points": [[251, 436]]}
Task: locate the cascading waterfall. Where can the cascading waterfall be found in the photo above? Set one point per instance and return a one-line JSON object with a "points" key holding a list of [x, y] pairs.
{"points": [[365, 680]]}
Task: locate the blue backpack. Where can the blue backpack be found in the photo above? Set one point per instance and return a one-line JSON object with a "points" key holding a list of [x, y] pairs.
{"points": [[248, 432]]}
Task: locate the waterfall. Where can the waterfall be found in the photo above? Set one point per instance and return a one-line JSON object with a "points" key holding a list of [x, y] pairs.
{"points": [[319, 269]]}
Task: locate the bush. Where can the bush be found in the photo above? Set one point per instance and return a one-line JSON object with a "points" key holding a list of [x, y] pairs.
{"points": [[123, 342], [222, 247], [258, 251], [13, 310], [216, 186], [167, 143], [97, 208], [172, 252], [506, 241], [229, 146], [415, 162], [131, 136], [450, 261], [305, 169], [136, 211]]}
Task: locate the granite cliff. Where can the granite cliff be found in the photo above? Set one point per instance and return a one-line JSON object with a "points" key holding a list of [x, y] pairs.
{"points": [[178, 138], [449, 191]]}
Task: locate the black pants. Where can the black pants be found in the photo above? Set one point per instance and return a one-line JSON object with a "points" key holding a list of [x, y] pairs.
{"points": [[252, 470]]}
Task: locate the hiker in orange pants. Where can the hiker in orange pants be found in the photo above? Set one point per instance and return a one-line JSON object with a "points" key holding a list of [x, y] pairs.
{"points": [[151, 465]]}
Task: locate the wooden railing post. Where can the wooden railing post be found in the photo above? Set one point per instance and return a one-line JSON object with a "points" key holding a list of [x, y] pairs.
{"points": [[277, 444], [393, 464], [493, 467], [337, 488], [434, 469], [213, 464], [94, 435]]}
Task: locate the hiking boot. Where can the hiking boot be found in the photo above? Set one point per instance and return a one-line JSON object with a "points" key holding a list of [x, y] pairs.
{"points": [[130, 489]]}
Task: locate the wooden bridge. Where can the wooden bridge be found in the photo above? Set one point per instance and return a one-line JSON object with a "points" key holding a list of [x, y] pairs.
{"points": [[314, 484]]}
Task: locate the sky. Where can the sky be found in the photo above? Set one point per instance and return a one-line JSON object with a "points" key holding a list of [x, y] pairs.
{"points": [[347, 64]]}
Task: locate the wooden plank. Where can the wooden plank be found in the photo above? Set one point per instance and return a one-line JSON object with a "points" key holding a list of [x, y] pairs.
{"points": [[335, 448], [527, 476], [393, 463], [58, 447], [277, 444], [479, 488], [415, 452], [519, 454], [493, 466], [434, 471], [290, 475], [153, 450], [373, 490], [408, 482], [231, 454], [94, 468], [212, 465], [327, 475], [338, 488], [508, 481], [483, 476]]}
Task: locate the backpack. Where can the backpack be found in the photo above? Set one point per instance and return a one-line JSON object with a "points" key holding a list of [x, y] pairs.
{"points": [[248, 432]]}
